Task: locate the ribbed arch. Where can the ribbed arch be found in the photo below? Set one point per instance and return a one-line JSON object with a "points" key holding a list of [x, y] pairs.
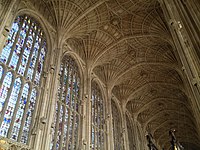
{"points": [[21, 66], [66, 125]]}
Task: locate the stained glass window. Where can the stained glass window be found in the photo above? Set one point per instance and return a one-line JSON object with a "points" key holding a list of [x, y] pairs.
{"points": [[22, 53], [98, 123], [130, 134], [65, 133], [117, 127]]}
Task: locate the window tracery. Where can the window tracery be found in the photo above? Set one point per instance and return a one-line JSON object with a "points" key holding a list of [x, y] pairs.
{"points": [[117, 127], [98, 124], [19, 92], [65, 134]]}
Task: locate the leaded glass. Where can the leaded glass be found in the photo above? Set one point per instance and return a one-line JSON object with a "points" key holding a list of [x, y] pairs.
{"points": [[11, 107], [4, 89], [20, 112], [67, 115], [21, 55], [1, 71], [29, 114], [98, 127], [117, 127], [11, 38], [130, 134]]}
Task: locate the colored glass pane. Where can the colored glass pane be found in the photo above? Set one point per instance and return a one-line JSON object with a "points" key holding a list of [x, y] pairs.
{"points": [[39, 66], [20, 112], [22, 52], [11, 107], [34, 58], [29, 115], [9, 42], [4, 89], [1, 72], [67, 124], [27, 50], [19, 45]]}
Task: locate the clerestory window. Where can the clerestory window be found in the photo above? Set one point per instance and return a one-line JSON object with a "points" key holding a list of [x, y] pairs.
{"points": [[66, 123], [117, 127], [21, 65], [98, 123], [130, 133]]}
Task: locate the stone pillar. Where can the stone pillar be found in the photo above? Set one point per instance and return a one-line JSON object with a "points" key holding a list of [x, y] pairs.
{"points": [[110, 141], [124, 129], [43, 125], [137, 140], [8, 9], [185, 35], [87, 110]]}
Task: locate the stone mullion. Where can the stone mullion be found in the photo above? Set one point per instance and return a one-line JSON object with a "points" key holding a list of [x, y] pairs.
{"points": [[15, 42], [16, 109], [7, 99], [31, 53], [73, 128], [74, 113], [64, 113], [37, 60], [23, 47], [70, 107], [25, 112], [79, 112], [57, 125], [3, 76]]}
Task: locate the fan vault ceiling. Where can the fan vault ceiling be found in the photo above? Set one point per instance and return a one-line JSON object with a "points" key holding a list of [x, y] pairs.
{"points": [[129, 47]]}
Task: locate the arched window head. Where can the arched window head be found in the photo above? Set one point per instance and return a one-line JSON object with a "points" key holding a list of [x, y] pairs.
{"points": [[66, 123], [117, 127], [98, 123], [23, 55]]}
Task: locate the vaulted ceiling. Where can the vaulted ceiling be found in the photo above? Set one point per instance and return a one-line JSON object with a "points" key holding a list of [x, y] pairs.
{"points": [[129, 47]]}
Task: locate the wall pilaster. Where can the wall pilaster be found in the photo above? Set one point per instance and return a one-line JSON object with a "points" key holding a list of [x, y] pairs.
{"points": [[185, 35]]}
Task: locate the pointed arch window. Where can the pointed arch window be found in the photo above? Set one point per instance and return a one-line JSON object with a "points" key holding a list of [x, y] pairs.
{"points": [[65, 133], [117, 127], [98, 124], [130, 133], [21, 66]]}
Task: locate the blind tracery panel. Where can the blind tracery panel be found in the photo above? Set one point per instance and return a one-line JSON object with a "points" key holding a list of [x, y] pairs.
{"points": [[117, 127], [24, 50], [130, 134], [98, 126], [65, 134]]}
